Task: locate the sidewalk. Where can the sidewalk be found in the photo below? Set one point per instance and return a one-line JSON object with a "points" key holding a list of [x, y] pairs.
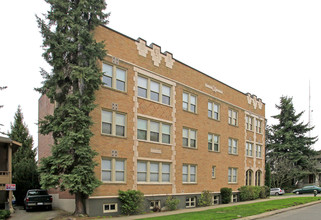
{"points": [[198, 209]]}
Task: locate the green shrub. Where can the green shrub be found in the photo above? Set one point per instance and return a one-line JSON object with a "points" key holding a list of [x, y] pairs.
{"points": [[206, 199], [171, 203], [131, 201], [265, 192], [226, 194], [4, 214], [252, 192]]}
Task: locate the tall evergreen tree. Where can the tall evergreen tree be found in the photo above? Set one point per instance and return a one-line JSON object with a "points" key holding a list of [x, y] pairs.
{"points": [[73, 53], [288, 144], [25, 174]]}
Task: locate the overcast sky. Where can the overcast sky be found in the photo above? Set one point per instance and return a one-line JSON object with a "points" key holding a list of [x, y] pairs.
{"points": [[268, 48]]}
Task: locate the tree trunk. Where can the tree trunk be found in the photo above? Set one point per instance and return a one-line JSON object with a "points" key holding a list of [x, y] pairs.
{"points": [[80, 204]]}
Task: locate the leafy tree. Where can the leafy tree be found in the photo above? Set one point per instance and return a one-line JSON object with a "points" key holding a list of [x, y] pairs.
{"points": [[25, 174], [289, 150], [73, 53]]}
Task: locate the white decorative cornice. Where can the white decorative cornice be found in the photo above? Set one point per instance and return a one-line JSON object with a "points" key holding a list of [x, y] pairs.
{"points": [[252, 99], [156, 54], [213, 88]]}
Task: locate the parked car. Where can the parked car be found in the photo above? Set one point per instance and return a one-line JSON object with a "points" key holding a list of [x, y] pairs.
{"points": [[37, 198], [276, 191], [307, 189]]}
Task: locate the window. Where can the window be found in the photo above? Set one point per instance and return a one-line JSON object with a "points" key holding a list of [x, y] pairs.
{"points": [[232, 117], [216, 200], [213, 110], [155, 204], [110, 207], [114, 77], [213, 142], [232, 175], [234, 197], [189, 138], [189, 102], [189, 173], [258, 151], [258, 126], [153, 90], [113, 170], [190, 202], [232, 146], [249, 122], [248, 177], [249, 149], [148, 171], [113, 123], [153, 131], [258, 175], [213, 172]]}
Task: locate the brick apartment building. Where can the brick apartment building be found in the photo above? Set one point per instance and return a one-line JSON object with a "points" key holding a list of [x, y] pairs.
{"points": [[165, 128]]}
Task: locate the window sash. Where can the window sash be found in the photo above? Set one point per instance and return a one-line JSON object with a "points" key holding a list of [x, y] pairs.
{"points": [[189, 173], [148, 171], [113, 170], [113, 123], [114, 77]]}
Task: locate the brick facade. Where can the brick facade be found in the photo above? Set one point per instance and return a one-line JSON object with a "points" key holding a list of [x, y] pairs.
{"points": [[139, 60]]}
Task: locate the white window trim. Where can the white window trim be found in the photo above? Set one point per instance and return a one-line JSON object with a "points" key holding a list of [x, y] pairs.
{"points": [[189, 173], [248, 152], [258, 126], [213, 172], [160, 172], [258, 146], [110, 211], [189, 138], [189, 102], [189, 202], [231, 119], [213, 143], [114, 77], [232, 147], [249, 122], [160, 93], [113, 124], [154, 204], [113, 170], [213, 112], [160, 131], [233, 168]]}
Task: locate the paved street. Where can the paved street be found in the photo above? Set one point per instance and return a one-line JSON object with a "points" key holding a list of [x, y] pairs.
{"points": [[307, 213], [21, 214]]}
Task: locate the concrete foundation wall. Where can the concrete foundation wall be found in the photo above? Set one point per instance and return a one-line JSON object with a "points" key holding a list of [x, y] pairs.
{"points": [[64, 204]]}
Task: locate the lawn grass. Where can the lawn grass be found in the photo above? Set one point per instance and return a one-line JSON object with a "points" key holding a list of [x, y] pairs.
{"points": [[237, 211]]}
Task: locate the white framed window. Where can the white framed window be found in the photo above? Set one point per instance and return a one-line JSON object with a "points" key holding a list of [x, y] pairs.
{"points": [[189, 102], [258, 126], [232, 175], [155, 204], [213, 110], [213, 172], [249, 123], [249, 149], [258, 151], [190, 202], [232, 117], [189, 173], [258, 175], [110, 207], [154, 131], [151, 171], [113, 170], [234, 197], [154, 90], [114, 77], [216, 199], [113, 123], [232, 146], [213, 142], [248, 177], [189, 138]]}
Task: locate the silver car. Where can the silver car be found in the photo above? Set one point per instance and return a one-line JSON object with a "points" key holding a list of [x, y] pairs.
{"points": [[276, 191]]}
